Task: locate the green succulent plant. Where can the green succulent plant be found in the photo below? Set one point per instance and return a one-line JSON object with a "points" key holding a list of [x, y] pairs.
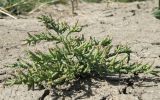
{"points": [[73, 57], [157, 13]]}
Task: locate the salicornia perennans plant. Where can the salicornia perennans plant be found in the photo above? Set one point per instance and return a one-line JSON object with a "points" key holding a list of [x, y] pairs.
{"points": [[72, 58], [156, 13]]}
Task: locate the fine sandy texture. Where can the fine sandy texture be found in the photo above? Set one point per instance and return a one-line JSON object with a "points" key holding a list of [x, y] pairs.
{"points": [[127, 23]]}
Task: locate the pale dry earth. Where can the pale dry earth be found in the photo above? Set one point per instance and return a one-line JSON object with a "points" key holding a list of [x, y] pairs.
{"points": [[126, 23]]}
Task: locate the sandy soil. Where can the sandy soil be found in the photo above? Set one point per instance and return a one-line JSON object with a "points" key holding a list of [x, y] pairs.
{"points": [[124, 22]]}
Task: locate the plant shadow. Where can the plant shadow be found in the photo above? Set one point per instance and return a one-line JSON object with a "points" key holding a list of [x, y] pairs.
{"points": [[84, 86], [78, 86]]}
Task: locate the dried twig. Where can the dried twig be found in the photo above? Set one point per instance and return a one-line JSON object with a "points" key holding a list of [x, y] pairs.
{"points": [[2, 10]]}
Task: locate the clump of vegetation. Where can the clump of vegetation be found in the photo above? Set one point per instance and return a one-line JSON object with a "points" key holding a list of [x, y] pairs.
{"points": [[157, 11], [73, 58], [24, 6]]}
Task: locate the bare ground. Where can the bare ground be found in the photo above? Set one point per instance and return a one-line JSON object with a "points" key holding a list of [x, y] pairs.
{"points": [[131, 23]]}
